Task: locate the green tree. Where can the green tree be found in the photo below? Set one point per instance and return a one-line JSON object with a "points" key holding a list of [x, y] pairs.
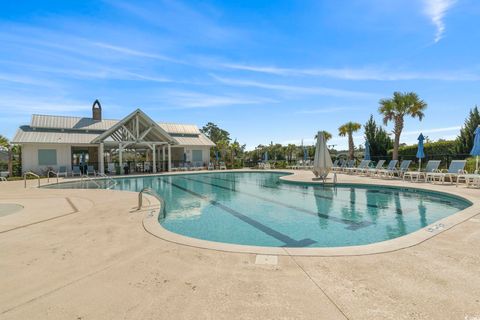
{"points": [[347, 130], [326, 134], [396, 108], [4, 142], [214, 133], [464, 142], [377, 137]]}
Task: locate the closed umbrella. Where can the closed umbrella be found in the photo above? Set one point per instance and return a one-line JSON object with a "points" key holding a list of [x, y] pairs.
{"points": [[266, 156], [420, 153], [305, 153], [476, 146], [322, 163], [367, 151], [216, 155]]}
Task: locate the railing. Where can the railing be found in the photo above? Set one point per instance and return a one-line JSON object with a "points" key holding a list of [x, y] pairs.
{"points": [[151, 192], [48, 175], [31, 174], [112, 181], [85, 177]]}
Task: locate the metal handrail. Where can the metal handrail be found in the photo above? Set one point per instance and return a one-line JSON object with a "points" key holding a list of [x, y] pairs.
{"points": [[151, 192], [89, 179], [32, 174], [48, 175], [103, 175]]}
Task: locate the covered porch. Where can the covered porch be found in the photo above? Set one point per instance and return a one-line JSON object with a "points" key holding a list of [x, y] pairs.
{"points": [[135, 144]]}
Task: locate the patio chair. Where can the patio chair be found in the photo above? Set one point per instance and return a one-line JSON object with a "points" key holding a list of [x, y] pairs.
{"points": [[392, 165], [455, 169], [470, 179], [91, 170], [348, 165], [415, 176], [223, 166], [367, 171], [403, 168], [363, 164], [62, 171], [76, 171], [211, 166], [111, 168], [338, 167]]}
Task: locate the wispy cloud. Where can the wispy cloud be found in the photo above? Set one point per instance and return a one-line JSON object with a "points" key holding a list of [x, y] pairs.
{"points": [[325, 110], [190, 100], [323, 91], [436, 11], [135, 53], [367, 73], [433, 130]]}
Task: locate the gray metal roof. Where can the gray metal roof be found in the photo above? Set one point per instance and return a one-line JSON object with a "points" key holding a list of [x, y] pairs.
{"points": [[78, 130], [62, 122], [28, 135], [177, 128], [200, 140]]}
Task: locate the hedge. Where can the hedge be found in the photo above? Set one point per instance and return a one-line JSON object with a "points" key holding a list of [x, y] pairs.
{"points": [[431, 149]]}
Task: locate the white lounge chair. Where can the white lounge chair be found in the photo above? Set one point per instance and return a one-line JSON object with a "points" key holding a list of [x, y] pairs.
{"points": [[367, 171], [223, 166], [363, 164], [415, 176], [111, 168], [455, 169], [211, 166], [76, 171], [391, 168], [91, 170], [470, 179], [62, 171]]}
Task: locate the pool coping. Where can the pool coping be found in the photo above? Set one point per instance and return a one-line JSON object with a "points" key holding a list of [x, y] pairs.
{"points": [[152, 226]]}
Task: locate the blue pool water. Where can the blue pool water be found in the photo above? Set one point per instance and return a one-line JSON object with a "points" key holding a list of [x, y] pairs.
{"points": [[256, 208]]}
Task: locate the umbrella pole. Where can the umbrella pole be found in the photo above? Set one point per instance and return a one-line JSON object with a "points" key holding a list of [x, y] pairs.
{"points": [[477, 166], [419, 164]]}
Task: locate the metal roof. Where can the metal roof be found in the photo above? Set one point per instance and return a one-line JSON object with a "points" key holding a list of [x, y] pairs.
{"points": [[28, 135], [62, 122], [176, 128], [200, 140]]}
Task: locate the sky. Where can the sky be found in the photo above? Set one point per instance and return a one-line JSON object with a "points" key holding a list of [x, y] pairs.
{"points": [[263, 70]]}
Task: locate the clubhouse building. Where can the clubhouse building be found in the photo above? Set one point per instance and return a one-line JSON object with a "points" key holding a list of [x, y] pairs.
{"points": [[135, 143]]}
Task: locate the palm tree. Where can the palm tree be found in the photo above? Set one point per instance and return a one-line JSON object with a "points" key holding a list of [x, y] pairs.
{"points": [[5, 144], [327, 135], [395, 109], [347, 130]]}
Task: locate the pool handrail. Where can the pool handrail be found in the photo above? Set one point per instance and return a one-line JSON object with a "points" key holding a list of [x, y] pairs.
{"points": [[89, 179], [48, 175], [151, 192], [31, 174]]}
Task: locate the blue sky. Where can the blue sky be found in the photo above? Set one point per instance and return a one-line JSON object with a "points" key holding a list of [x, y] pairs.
{"points": [[264, 70]]}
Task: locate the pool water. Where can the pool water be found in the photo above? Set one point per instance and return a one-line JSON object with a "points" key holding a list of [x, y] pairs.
{"points": [[257, 208]]}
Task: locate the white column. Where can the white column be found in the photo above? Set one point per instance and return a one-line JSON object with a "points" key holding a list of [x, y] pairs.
{"points": [[163, 158], [101, 158], [120, 158], [169, 158], [154, 159]]}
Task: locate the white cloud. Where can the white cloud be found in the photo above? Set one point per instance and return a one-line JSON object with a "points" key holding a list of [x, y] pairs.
{"points": [[436, 11], [325, 110], [433, 130], [323, 91], [366, 73]]}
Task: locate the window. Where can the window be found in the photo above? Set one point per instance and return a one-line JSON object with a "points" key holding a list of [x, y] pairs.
{"points": [[197, 155], [47, 157]]}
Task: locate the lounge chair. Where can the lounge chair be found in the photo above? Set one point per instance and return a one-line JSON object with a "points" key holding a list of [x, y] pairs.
{"points": [[91, 170], [349, 164], [211, 166], [391, 168], [76, 171], [340, 164], [454, 170], [111, 168], [403, 168], [62, 171], [368, 171], [363, 164], [470, 179], [223, 166], [415, 176]]}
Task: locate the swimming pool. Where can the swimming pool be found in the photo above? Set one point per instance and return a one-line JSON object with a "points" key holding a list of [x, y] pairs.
{"points": [[257, 208]]}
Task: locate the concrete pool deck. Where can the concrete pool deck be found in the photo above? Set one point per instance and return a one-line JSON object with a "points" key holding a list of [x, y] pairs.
{"points": [[84, 254]]}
